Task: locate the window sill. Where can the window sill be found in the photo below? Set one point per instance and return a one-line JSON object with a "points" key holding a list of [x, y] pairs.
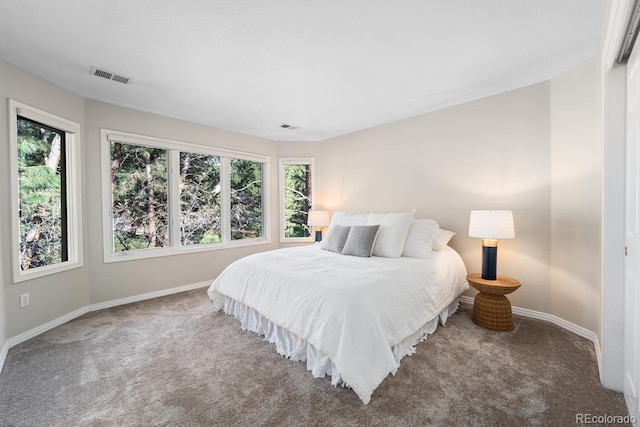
{"points": [[24, 275], [162, 252]]}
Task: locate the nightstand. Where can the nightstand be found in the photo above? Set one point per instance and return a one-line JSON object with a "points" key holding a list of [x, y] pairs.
{"points": [[491, 308]]}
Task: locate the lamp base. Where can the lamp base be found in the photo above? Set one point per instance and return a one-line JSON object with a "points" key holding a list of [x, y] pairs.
{"points": [[319, 235], [489, 260]]}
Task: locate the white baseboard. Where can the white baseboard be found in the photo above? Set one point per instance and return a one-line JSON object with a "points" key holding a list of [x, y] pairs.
{"points": [[149, 295], [572, 327], [596, 346], [3, 354], [13, 341]]}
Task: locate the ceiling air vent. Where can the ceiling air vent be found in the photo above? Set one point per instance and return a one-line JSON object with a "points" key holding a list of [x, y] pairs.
{"points": [[109, 75]]}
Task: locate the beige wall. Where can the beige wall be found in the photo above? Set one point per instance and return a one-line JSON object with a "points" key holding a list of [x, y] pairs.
{"points": [[515, 150], [576, 174], [535, 150], [123, 279], [58, 294], [488, 154]]}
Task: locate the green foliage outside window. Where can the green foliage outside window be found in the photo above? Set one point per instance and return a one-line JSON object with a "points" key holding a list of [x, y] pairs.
{"points": [[297, 200], [140, 202], [246, 199], [41, 183], [139, 184], [199, 198]]}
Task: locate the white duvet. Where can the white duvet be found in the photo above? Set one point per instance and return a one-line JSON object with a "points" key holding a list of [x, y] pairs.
{"points": [[352, 309]]}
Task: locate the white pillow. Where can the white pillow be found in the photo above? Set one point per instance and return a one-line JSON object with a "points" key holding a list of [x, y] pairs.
{"points": [[343, 218], [441, 239], [421, 234], [392, 234]]}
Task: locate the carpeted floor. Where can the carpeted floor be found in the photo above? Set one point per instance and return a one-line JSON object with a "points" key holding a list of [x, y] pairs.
{"points": [[173, 361]]}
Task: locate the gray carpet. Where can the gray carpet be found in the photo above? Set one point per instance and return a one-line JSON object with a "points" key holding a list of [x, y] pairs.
{"points": [[174, 361]]}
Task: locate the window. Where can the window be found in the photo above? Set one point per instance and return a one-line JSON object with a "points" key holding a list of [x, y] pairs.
{"points": [[200, 207], [139, 183], [296, 198], [45, 188], [246, 199], [166, 197]]}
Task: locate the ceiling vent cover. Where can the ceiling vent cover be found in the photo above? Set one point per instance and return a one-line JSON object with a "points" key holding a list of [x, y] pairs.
{"points": [[100, 72]]}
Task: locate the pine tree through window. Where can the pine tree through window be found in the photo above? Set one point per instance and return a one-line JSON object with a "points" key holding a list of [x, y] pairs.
{"points": [[46, 193], [200, 212], [169, 197], [139, 185], [296, 198], [42, 194], [246, 199]]}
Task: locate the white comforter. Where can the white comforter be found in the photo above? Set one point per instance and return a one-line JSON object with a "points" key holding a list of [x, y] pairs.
{"points": [[352, 309]]}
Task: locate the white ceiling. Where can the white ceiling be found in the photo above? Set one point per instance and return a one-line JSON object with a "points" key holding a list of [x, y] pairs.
{"points": [[327, 67]]}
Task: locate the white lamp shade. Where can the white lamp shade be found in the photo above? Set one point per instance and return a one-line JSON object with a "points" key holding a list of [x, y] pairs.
{"points": [[491, 225], [318, 218]]}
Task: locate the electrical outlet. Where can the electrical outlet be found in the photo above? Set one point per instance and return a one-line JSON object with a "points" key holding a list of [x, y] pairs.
{"points": [[24, 300]]}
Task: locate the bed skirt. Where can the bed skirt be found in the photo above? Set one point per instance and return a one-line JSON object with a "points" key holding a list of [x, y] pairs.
{"points": [[298, 349]]}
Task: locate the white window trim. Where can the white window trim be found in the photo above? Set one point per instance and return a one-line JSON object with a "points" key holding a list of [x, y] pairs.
{"points": [[295, 161], [73, 190], [107, 135]]}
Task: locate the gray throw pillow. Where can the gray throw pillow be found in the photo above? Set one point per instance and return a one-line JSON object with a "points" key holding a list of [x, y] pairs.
{"points": [[337, 238], [361, 240]]}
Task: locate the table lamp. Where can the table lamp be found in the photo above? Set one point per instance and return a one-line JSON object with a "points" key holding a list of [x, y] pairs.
{"points": [[491, 226], [318, 219]]}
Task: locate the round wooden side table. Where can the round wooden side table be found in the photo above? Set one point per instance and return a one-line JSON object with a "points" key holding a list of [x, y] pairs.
{"points": [[491, 308]]}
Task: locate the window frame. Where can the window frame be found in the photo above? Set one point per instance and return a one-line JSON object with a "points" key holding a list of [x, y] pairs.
{"points": [[174, 148], [73, 190], [285, 161]]}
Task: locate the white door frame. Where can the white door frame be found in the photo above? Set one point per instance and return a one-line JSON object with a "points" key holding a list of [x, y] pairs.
{"points": [[613, 203], [631, 371]]}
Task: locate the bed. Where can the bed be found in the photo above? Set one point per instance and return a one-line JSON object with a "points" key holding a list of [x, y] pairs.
{"points": [[352, 318]]}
